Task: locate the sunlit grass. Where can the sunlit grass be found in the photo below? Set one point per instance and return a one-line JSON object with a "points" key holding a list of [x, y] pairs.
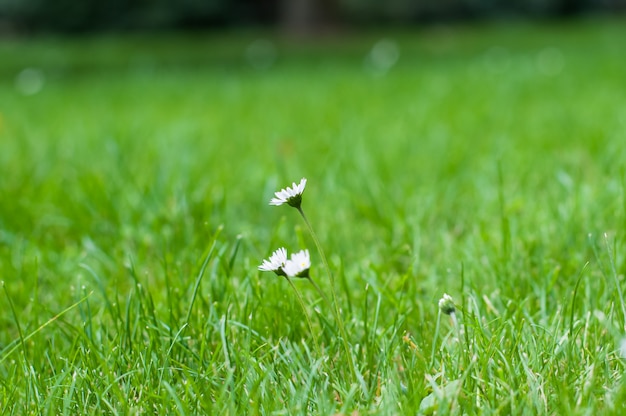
{"points": [[485, 162]]}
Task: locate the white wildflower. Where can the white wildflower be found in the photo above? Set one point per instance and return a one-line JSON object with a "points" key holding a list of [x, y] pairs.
{"points": [[446, 304], [276, 262], [298, 265], [291, 196]]}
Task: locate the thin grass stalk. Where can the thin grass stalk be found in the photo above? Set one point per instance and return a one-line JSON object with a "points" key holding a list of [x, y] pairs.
{"points": [[435, 339], [306, 315], [336, 311]]}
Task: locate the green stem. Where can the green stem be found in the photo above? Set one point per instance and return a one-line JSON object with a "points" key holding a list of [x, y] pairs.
{"points": [[308, 320], [435, 340], [457, 330], [318, 289], [336, 310]]}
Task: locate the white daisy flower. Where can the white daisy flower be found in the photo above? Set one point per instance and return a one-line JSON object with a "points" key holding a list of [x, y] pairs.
{"points": [[276, 262], [291, 196], [298, 265], [446, 304]]}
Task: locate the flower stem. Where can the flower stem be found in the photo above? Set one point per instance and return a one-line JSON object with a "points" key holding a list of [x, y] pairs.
{"points": [[308, 320], [318, 289], [435, 340], [336, 309]]}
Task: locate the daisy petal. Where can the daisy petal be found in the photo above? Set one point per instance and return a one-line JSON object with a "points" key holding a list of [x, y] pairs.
{"points": [[276, 262], [298, 265], [291, 196]]}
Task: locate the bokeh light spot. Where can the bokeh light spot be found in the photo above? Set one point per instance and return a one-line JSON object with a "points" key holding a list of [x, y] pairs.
{"points": [[30, 81]]}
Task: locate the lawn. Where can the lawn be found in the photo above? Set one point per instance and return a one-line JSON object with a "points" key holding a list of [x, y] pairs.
{"points": [[486, 162]]}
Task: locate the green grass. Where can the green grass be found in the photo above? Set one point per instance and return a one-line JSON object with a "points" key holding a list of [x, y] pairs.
{"points": [[488, 163]]}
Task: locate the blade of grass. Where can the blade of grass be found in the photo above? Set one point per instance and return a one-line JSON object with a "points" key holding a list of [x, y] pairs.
{"points": [[6, 354], [201, 273]]}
